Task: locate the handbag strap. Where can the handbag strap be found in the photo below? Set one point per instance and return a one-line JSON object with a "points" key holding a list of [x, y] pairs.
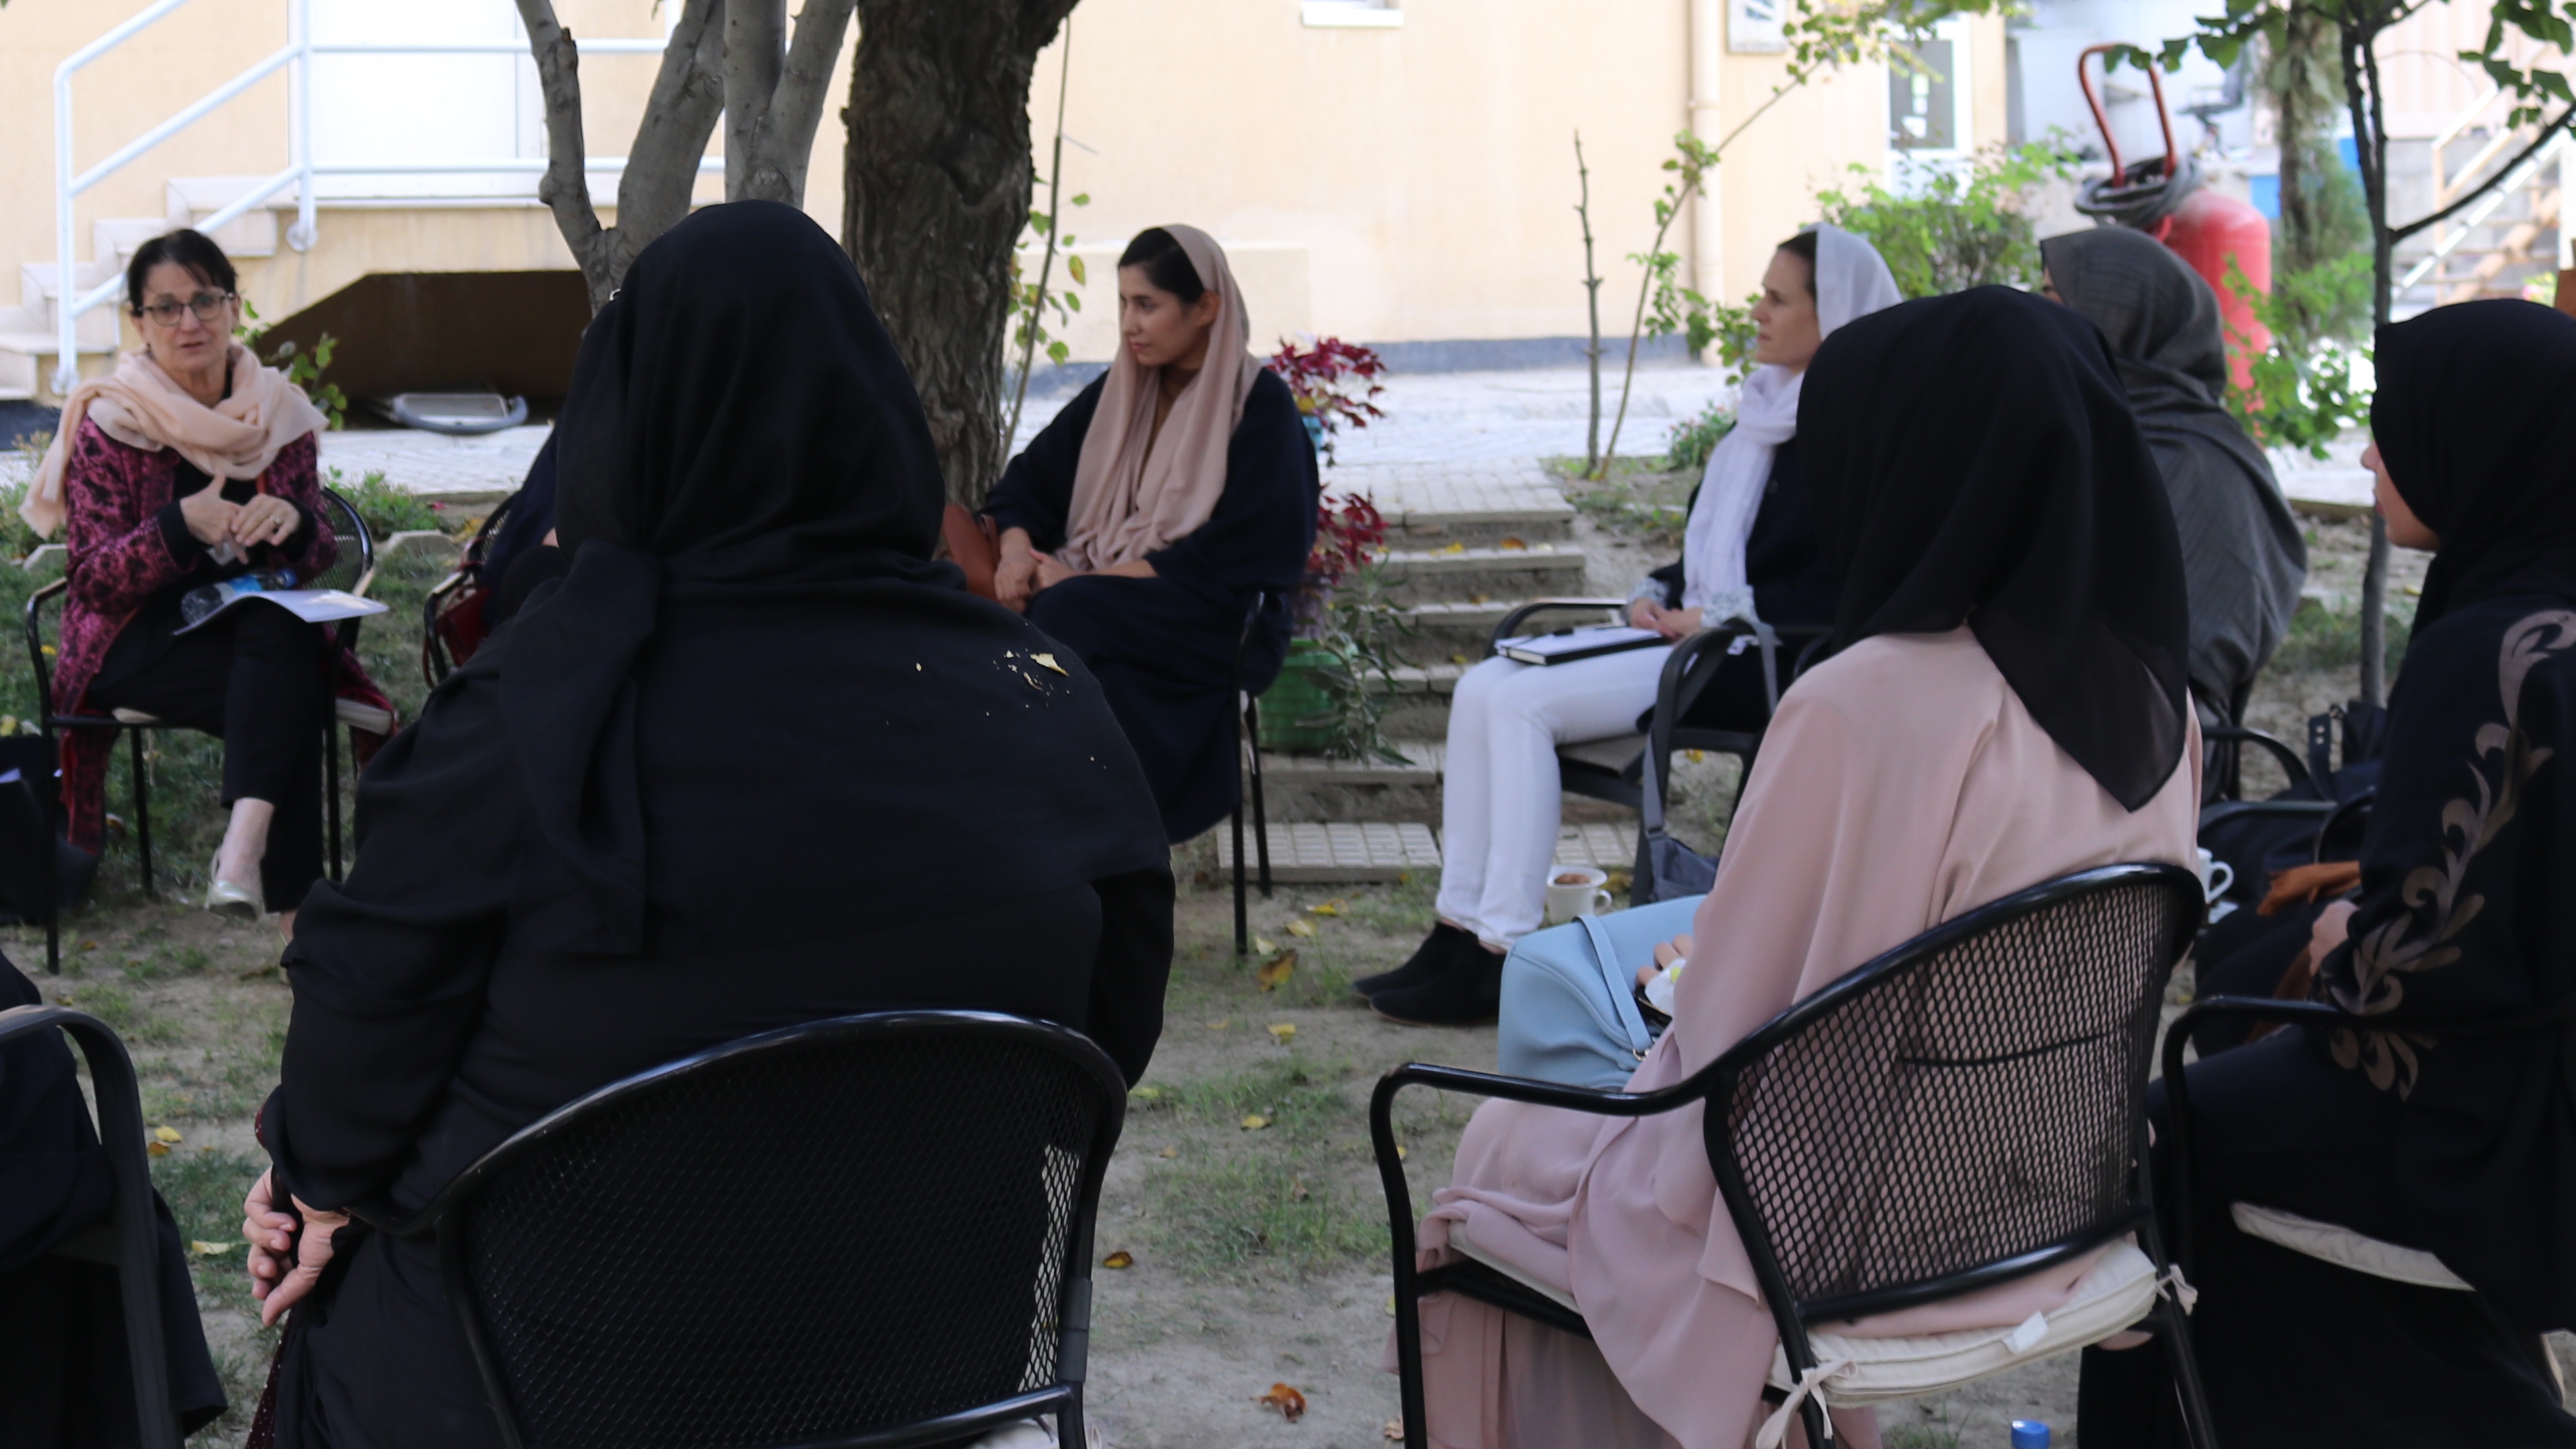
{"points": [[1623, 1000]]}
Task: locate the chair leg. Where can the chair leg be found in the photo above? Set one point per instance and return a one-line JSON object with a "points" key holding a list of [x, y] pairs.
{"points": [[331, 787], [142, 809], [2186, 1375], [1242, 926], [1260, 810]]}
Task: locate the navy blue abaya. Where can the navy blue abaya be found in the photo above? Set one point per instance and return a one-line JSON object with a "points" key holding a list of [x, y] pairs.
{"points": [[1163, 648]]}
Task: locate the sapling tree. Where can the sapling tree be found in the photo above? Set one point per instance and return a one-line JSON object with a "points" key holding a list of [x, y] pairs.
{"points": [[2542, 99]]}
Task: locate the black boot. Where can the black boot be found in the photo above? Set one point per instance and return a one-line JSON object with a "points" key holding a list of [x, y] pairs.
{"points": [[1467, 994], [1438, 951]]}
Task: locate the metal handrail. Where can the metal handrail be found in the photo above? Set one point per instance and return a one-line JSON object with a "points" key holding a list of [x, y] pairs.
{"points": [[2458, 231], [297, 57]]}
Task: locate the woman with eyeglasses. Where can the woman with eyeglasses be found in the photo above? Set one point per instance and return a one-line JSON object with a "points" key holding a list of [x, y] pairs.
{"points": [[192, 463]]}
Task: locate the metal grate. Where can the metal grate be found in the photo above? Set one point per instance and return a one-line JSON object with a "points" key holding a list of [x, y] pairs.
{"points": [[1975, 1107], [789, 1246]]}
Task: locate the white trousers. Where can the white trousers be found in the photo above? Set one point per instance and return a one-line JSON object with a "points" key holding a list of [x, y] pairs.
{"points": [[1499, 801]]}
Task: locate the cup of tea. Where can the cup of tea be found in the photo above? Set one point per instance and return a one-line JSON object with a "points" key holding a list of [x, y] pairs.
{"points": [[1575, 890], [2216, 876]]}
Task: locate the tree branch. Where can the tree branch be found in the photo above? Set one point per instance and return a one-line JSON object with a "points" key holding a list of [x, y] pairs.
{"points": [[785, 140], [565, 188], [2463, 201], [755, 45], [662, 165]]}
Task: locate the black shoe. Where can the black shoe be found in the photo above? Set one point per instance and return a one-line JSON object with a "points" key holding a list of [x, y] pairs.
{"points": [[1436, 954], [1464, 995]]}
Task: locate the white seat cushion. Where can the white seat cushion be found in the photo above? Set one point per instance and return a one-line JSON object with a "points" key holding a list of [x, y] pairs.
{"points": [[2343, 1247], [134, 717], [1458, 1240], [365, 717], [2117, 1292]]}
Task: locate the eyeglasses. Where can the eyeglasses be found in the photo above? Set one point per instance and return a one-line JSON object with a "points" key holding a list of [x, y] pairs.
{"points": [[207, 305]]}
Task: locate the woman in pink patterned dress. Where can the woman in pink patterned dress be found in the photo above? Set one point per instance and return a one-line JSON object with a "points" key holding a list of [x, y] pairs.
{"points": [[189, 464]]}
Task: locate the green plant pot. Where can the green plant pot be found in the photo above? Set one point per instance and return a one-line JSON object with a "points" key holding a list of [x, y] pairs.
{"points": [[1297, 694]]}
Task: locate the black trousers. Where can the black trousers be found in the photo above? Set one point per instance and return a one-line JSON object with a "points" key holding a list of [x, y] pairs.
{"points": [[254, 678], [2292, 1350]]}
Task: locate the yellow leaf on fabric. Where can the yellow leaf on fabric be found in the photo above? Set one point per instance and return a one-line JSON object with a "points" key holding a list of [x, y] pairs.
{"points": [[1047, 661], [204, 1249], [1301, 928], [165, 1134], [1276, 971], [1120, 1259], [1283, 1029], [1254, 1122]]}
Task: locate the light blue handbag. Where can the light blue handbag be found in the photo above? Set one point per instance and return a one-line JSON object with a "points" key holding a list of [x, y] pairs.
{"points": [[1569, 1011]]}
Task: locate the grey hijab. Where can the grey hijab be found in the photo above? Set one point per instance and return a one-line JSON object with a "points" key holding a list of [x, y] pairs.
{"points": [[2243, 558]]}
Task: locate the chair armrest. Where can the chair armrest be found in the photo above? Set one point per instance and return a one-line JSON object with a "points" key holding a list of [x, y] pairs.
{"points": [[2292, 764], [1511, 625], [36, 643]]}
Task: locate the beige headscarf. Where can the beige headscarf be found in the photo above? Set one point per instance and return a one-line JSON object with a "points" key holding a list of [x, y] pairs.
{"points": [[140, 406], [1126, 504]]}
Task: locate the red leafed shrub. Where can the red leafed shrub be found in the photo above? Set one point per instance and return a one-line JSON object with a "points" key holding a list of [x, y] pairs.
{"points": [[1349, 531], [1334, 383]]}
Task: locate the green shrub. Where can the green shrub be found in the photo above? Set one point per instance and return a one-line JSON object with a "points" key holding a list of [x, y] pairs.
{"points": [[388, 510], [1694, 438], [1957, 227]]}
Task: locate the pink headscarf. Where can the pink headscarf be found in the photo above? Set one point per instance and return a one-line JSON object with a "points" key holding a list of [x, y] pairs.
{"points": [[140, 406], [1127, 503]]}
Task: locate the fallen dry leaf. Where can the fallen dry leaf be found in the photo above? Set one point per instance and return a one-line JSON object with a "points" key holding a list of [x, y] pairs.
{"points": [[1513, 544], [1264, 945], [156, 1149], [1145, 1093], [1171, 1152], [1332, 907], [1255, 1122], [1297, 1190], [166, 1135], [1390, 1305], [1394, 1431], [1301, 928], [1221, 1023], [1283, 1029], [1120, 1259], [1276, 971], [1399, 1152], [1047, 661], [1454, 548], [1286, 1400], [204, 1249]]}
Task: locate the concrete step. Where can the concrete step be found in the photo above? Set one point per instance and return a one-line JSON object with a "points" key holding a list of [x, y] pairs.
{"points": [[1310, 787], [113, 241], [40, 295], [1461, 572], [26, 358], [1481, 502], [191, 199]]}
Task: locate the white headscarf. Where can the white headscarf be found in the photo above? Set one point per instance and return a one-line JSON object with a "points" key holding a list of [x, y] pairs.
{"points": [[1851, 281]]}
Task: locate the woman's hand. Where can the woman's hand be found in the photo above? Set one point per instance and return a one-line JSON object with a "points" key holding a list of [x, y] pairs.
{"points": [[1675, 623], [1643, 614], [277, 1283], [265, 519], [1052, 572], [2333, 928], [208, 516], [1016, 574], [1676, 949]]}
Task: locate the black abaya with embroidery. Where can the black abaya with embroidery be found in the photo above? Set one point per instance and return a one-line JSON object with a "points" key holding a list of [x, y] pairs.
{"points": [[1164, 648], [2455, 1132], [754, 761]]}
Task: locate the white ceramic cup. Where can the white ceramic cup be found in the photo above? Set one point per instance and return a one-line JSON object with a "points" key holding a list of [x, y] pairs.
{"points": [[2215, 877], [1575, 890]]}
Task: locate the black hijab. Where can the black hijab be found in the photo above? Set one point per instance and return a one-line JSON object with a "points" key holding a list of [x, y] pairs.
{"points": [[744, 444], [2243, 555], [1971, 459], [2475, 418]]}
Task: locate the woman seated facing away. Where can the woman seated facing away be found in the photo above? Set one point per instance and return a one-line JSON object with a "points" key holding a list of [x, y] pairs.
{"points": [[1139, 526], [1749, 551], [2002, 707], [2454, 1132], [133, 473], [64, 1366], [2243, 558], [755, 760]]}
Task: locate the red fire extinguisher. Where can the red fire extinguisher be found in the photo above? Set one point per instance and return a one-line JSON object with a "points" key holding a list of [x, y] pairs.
{"points": [[2163, 197]]}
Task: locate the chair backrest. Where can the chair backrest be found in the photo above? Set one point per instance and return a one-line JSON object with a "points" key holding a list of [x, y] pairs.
{"points": [[1966, 1107], [814, 1236], [357, 553]]}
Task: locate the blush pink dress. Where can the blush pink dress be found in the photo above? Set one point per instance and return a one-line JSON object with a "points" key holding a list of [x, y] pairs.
{"points": [[1902, 783]]}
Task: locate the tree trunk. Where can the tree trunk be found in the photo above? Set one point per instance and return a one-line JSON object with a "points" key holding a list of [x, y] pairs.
{"points": [[2362, 97], [938, 194]]}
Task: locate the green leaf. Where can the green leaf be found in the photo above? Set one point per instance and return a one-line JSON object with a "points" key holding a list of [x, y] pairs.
{"points": [[1082, 198], [1057, 352], [1073, 266]]}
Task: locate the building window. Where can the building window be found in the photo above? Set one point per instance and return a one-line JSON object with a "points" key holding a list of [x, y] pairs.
{"points": [[1928, 96], [1353, 14]]}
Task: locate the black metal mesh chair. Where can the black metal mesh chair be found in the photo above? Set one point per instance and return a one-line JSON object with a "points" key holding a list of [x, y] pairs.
{"points": [[868, 1231], [354, 571], [1967, 1108], [130, 1241], [1247, 747]]}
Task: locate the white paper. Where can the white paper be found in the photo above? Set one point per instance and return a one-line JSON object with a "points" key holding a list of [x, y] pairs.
{"points": [[314, 606], [1594, 638]]}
